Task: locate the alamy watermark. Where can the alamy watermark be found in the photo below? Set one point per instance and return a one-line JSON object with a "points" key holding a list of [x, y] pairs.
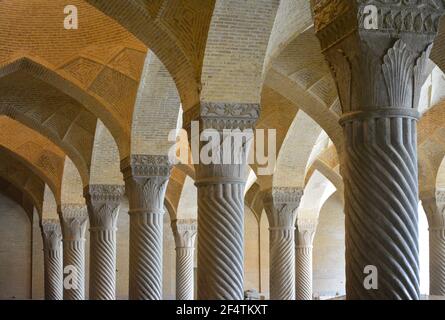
{"points": [[227, 146], [372, 277], [71, 280], [371, 17], [71, 21]]}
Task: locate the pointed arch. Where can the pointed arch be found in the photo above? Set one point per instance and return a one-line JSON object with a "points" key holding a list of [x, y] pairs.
{"points": [[73, 88]]}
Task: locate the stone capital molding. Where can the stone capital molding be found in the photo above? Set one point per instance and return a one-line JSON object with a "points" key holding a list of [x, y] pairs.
{"points": [[305, 232], [222, 115], [281, 205], [141, 165], [146, 178], [103, 203], [104, 193], [393, 17], [73, 218], [51, 234], [378, 68], [185, 231]]}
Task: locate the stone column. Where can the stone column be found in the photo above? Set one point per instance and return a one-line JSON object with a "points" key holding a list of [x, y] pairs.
{"points": [[103, 203], [184, 232], [52, 255], [280, 205], [435, 210], [146, 178], [74, 218], [220, 182], [378, 53], [303, 252]]}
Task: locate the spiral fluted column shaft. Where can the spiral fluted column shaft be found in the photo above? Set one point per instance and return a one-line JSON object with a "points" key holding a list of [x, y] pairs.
{"points": [[103, 207], [220, 241], [184, 231], [184, 273], [146, 178], [220, 180], [280, 205], [103, 264], [379, 64], [53, 260], [146, 256], [53, 275], [437, 261], [381, 207], [282, 264], [303, 273], [73, 218], [74, 256]]}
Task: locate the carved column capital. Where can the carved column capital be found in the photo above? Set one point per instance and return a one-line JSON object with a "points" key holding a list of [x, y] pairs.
{"points": [[73, 218], [382, 66], [281, 205], [51, 234], [221, 119], [223, 115], [184, 231], [146, 178], [52, 246], [306, 228], [305, 232], [103, 202], [378, 53]]}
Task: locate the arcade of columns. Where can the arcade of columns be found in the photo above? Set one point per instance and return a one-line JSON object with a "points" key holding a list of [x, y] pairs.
{"points": [[378, 74]]}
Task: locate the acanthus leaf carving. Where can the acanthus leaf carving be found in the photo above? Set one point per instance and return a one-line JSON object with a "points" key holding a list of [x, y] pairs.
{"points": [[185, 231], [398, 72], [103, 203], [74, 219], [51, 234], [146, 178], [281, 205]]}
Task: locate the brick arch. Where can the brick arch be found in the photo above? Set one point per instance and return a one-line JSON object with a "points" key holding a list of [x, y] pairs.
{"points": [[105, 161], [293, 18], [15, 175], [254, 200], [174, 191], [233, 64], [71, 87], [72, 186], [53, 114], [291, 165], [42, 156], [175, 30], [50, 204], [34, 168], [188, 202], [431, 147], [20, 196], [156, 111]]}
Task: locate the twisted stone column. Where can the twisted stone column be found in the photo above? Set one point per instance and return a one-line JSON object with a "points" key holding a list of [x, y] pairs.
{"points": [[146, 178], [303, 251], [52, 255], [220, 182], [280, 205], [74, 218], [184, 232], [378, 56], [435, 210], [103, 203]]}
